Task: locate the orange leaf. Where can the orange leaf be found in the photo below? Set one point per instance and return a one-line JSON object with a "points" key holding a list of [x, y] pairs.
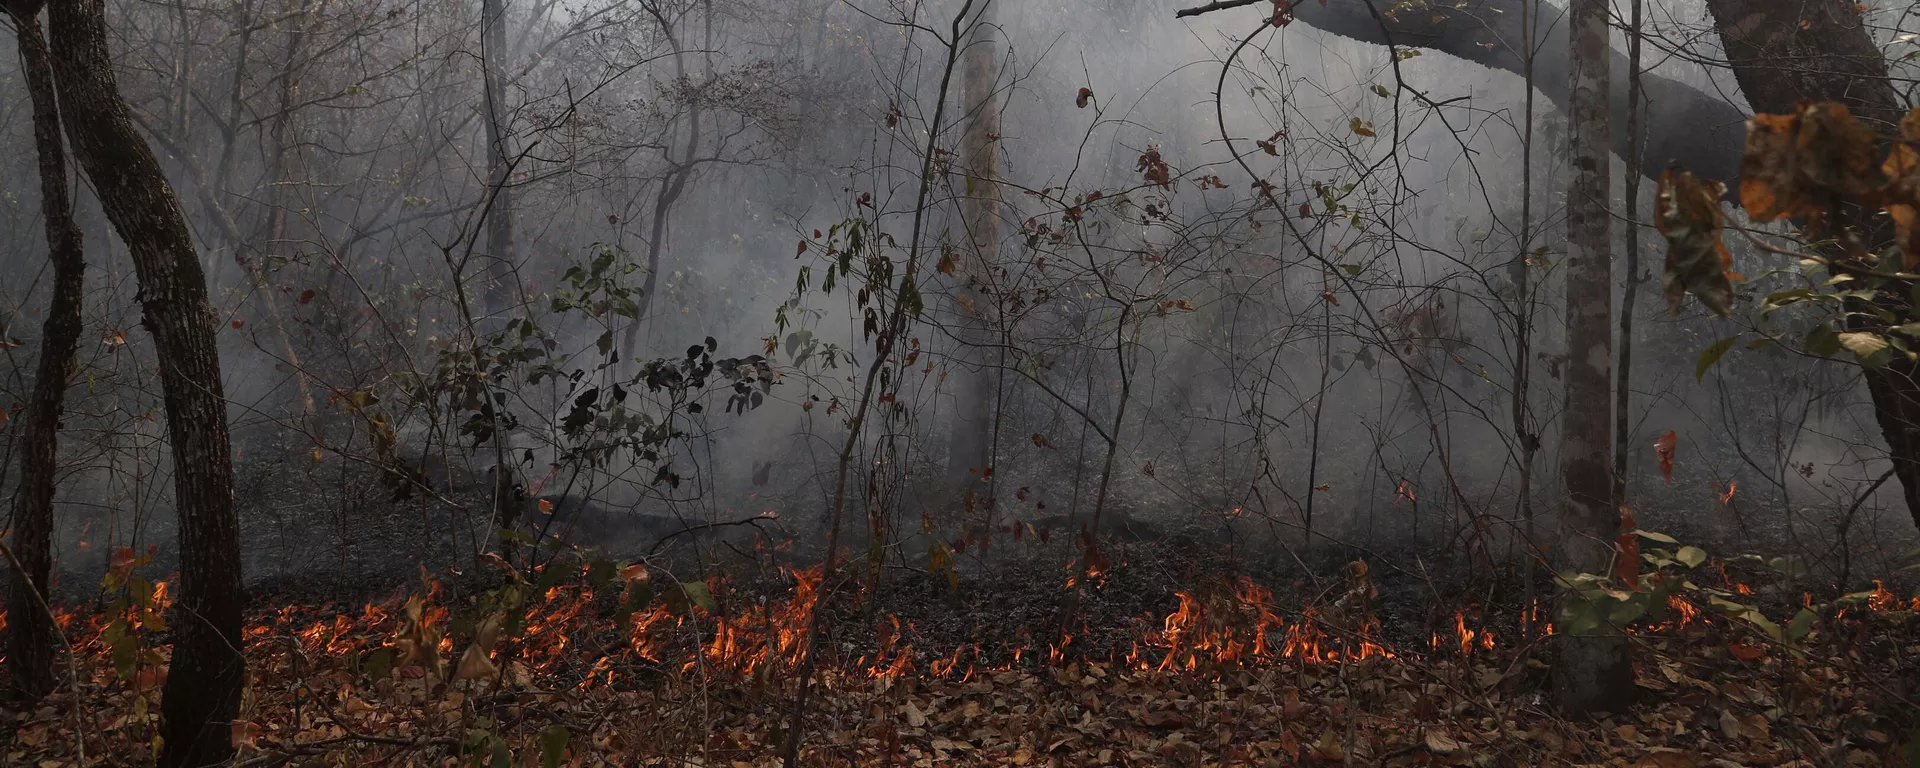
{"points": [[238, 322], [1664, 448], [1745, 652]]}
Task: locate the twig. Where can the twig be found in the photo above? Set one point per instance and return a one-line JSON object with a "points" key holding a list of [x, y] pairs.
{"points": [[1221, 5]]}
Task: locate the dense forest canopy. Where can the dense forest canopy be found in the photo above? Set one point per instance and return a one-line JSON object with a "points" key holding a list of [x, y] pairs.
{"points": [[623, 354]]}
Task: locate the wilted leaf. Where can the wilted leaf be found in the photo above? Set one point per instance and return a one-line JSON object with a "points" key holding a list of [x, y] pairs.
{"points": [[1687, 213], [1664, 448], [1360, 127], [1086, 94]]}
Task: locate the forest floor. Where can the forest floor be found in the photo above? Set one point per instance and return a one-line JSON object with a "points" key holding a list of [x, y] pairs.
{"points": [[622, 667]]}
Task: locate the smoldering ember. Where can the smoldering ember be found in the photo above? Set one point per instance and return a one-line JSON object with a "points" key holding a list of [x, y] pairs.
{"points": [[1055, 383]]}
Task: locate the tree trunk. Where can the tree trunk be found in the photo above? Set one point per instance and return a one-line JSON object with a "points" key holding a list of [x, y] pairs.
{"points": [[1780, 53], [1783, 54], [502, 261], [208, 671], [30, 645], [501, 256], [968, 442], [1594, 672]]}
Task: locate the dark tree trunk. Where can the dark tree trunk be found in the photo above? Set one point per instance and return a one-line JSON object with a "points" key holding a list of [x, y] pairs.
{"points": [[208, 671], [30, 644], [1785, 53], [1686, 124]]}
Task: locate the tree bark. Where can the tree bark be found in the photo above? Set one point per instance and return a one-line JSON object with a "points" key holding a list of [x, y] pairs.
{"points": [[30, 644], [968, 443], [208, 671], [1690, 125], [1783, 54], [501, 254], [1780, 54], [1594, 672]]}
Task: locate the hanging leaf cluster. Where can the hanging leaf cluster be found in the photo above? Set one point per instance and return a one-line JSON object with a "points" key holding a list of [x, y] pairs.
{"points": [[1687, 213]]}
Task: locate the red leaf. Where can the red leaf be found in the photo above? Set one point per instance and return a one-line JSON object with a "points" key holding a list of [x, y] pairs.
{"points": [[1626, 569], [1663, 447], [1745, 652], [306, 296]]}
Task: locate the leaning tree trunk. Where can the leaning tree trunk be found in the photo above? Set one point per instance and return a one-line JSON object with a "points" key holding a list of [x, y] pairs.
{"points": [[30, 644], [208, 671], [1594, 672], [1785, 53], [968, 437]]}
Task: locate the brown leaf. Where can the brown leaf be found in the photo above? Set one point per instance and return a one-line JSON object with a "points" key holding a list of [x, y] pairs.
{"points": [[1439, 743], [1080, 101], [1795, 163], [1687, 213]]}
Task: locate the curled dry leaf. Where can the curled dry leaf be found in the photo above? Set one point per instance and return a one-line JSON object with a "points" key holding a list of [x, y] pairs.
{"points": [[1687, 213], [1795, 164], [1086, 95]]}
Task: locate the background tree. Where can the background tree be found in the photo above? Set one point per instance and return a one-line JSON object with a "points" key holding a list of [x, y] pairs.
{"points": [[30, 639]]}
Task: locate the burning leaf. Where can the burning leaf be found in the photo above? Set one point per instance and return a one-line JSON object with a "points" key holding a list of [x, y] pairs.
{"points": [[1688, 215], [1664, 448]]}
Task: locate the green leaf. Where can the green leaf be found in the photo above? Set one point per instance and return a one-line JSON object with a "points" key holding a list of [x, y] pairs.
{"points": [[1801, 625], [1712, 355], [1381, 91], [1691, 557], [553, 746], [501, 757], [698, 593]]}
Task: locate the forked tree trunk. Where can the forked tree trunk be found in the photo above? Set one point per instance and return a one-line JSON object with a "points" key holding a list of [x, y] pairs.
{"points": [[30, 642], [1594, 672], [204, 682]]}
